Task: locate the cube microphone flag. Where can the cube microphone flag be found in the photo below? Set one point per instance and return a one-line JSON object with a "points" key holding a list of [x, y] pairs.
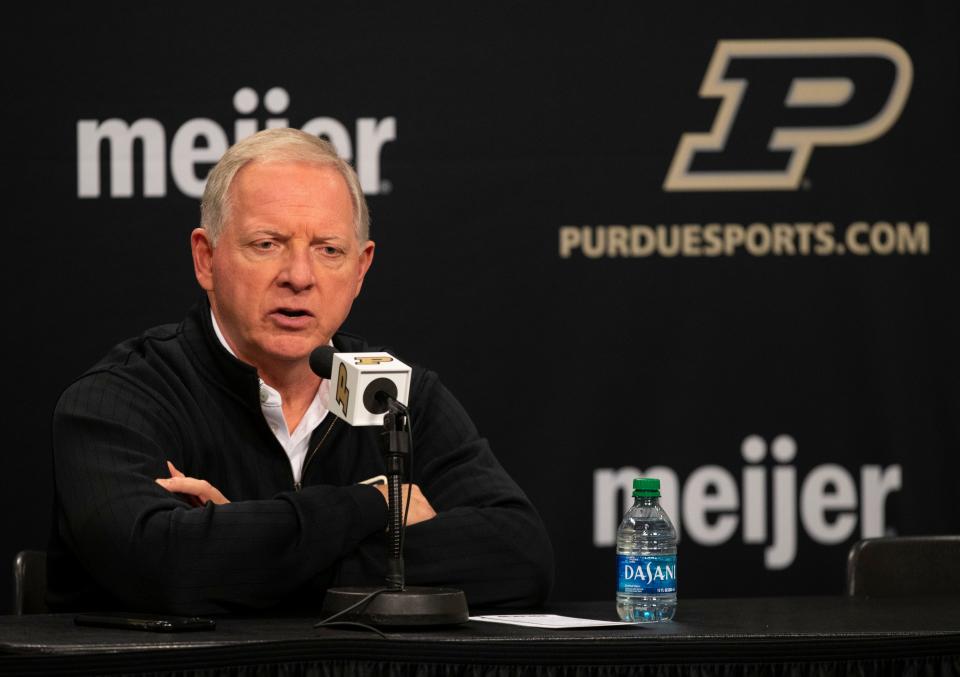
{"points": [[360, 385]]}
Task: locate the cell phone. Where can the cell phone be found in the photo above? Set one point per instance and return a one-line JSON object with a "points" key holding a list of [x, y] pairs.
{"points": [[148, 622]]}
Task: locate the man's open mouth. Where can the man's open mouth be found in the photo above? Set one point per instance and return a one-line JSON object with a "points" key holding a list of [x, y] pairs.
{"points": [[290, 312]]}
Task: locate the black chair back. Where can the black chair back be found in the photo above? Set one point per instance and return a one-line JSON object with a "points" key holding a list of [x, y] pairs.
{"points": [[899, 566], [30, 582]]}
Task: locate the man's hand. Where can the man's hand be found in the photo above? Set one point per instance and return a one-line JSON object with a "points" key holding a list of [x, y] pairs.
{"points": [[197, 491], [420, 508]]}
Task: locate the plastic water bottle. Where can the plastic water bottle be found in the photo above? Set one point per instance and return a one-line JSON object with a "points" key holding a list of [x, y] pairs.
{"points": [[646, 558]]}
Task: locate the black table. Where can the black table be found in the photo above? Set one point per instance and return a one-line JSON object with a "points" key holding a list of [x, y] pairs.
{"points": [[760, 636]]}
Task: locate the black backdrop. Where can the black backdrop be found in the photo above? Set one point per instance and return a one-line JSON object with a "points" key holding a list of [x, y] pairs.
{"points": [[795, 382]]}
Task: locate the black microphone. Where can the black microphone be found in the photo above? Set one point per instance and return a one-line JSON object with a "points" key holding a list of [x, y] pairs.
{"points": [[371, 389], [321, 361]]}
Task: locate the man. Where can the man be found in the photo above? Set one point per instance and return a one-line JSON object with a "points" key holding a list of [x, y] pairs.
{"points": [[197, 469]]}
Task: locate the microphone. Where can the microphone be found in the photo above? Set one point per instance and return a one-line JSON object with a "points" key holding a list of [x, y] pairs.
{"points": [[383, 383], [360, 386]]}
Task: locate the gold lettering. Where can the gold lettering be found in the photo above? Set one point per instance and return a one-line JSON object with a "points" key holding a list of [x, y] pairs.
{"points": [[376, 359]]}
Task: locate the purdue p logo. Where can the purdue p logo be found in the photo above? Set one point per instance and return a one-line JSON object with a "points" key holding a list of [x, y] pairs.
{"points": [[780, 99], [343, 393]]}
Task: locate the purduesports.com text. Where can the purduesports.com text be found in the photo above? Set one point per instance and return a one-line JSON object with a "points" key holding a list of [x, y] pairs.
{"points": [[823, 238]]}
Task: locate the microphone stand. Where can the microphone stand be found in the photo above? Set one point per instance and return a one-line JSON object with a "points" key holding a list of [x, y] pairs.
{"points": [[396, 604]]}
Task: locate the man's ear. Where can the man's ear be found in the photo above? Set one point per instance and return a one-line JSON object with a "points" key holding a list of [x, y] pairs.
{"points": [[366, 258], [202, 250]]}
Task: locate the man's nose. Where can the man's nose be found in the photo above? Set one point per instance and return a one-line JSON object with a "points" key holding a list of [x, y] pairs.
{"points": [[297, 272]]}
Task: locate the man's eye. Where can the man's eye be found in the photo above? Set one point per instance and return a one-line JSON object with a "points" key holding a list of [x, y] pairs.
{"points": [[265, 245], [329, 251]]}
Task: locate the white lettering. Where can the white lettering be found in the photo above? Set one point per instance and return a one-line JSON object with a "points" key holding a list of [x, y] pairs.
{"points": [[334, 132], [754, 450], [371, 137], [816, 499], [669, 493], [698, 501], [187, 151], [185, 154], [608, 484], [784, 548], [876, 484], [120, 137], [711, 491]]}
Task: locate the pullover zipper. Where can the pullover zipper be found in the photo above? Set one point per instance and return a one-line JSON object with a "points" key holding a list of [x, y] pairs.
{"points": [[297, 486]]}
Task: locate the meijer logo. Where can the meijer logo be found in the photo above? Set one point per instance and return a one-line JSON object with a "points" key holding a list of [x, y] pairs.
{"points": [[765, 505], [793, 71], [199, 142]]}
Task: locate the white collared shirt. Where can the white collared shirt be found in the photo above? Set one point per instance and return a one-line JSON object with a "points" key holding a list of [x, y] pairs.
{"points": [[295, 443]]}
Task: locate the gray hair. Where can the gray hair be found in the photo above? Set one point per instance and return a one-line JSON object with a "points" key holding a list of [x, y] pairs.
{"points": [[276, 145]]}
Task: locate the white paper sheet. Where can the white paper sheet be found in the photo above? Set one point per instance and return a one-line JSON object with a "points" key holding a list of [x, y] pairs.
{"points": [[549, 621]]}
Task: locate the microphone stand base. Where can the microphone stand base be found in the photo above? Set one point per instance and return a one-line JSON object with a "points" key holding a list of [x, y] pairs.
{"points": [[411, 607]]}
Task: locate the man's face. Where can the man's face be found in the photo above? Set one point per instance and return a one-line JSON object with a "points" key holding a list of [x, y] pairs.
{"points": [[287, 266]]}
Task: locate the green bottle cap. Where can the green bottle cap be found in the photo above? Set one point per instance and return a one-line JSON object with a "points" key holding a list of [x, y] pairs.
{"points": [[647, 487]]}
